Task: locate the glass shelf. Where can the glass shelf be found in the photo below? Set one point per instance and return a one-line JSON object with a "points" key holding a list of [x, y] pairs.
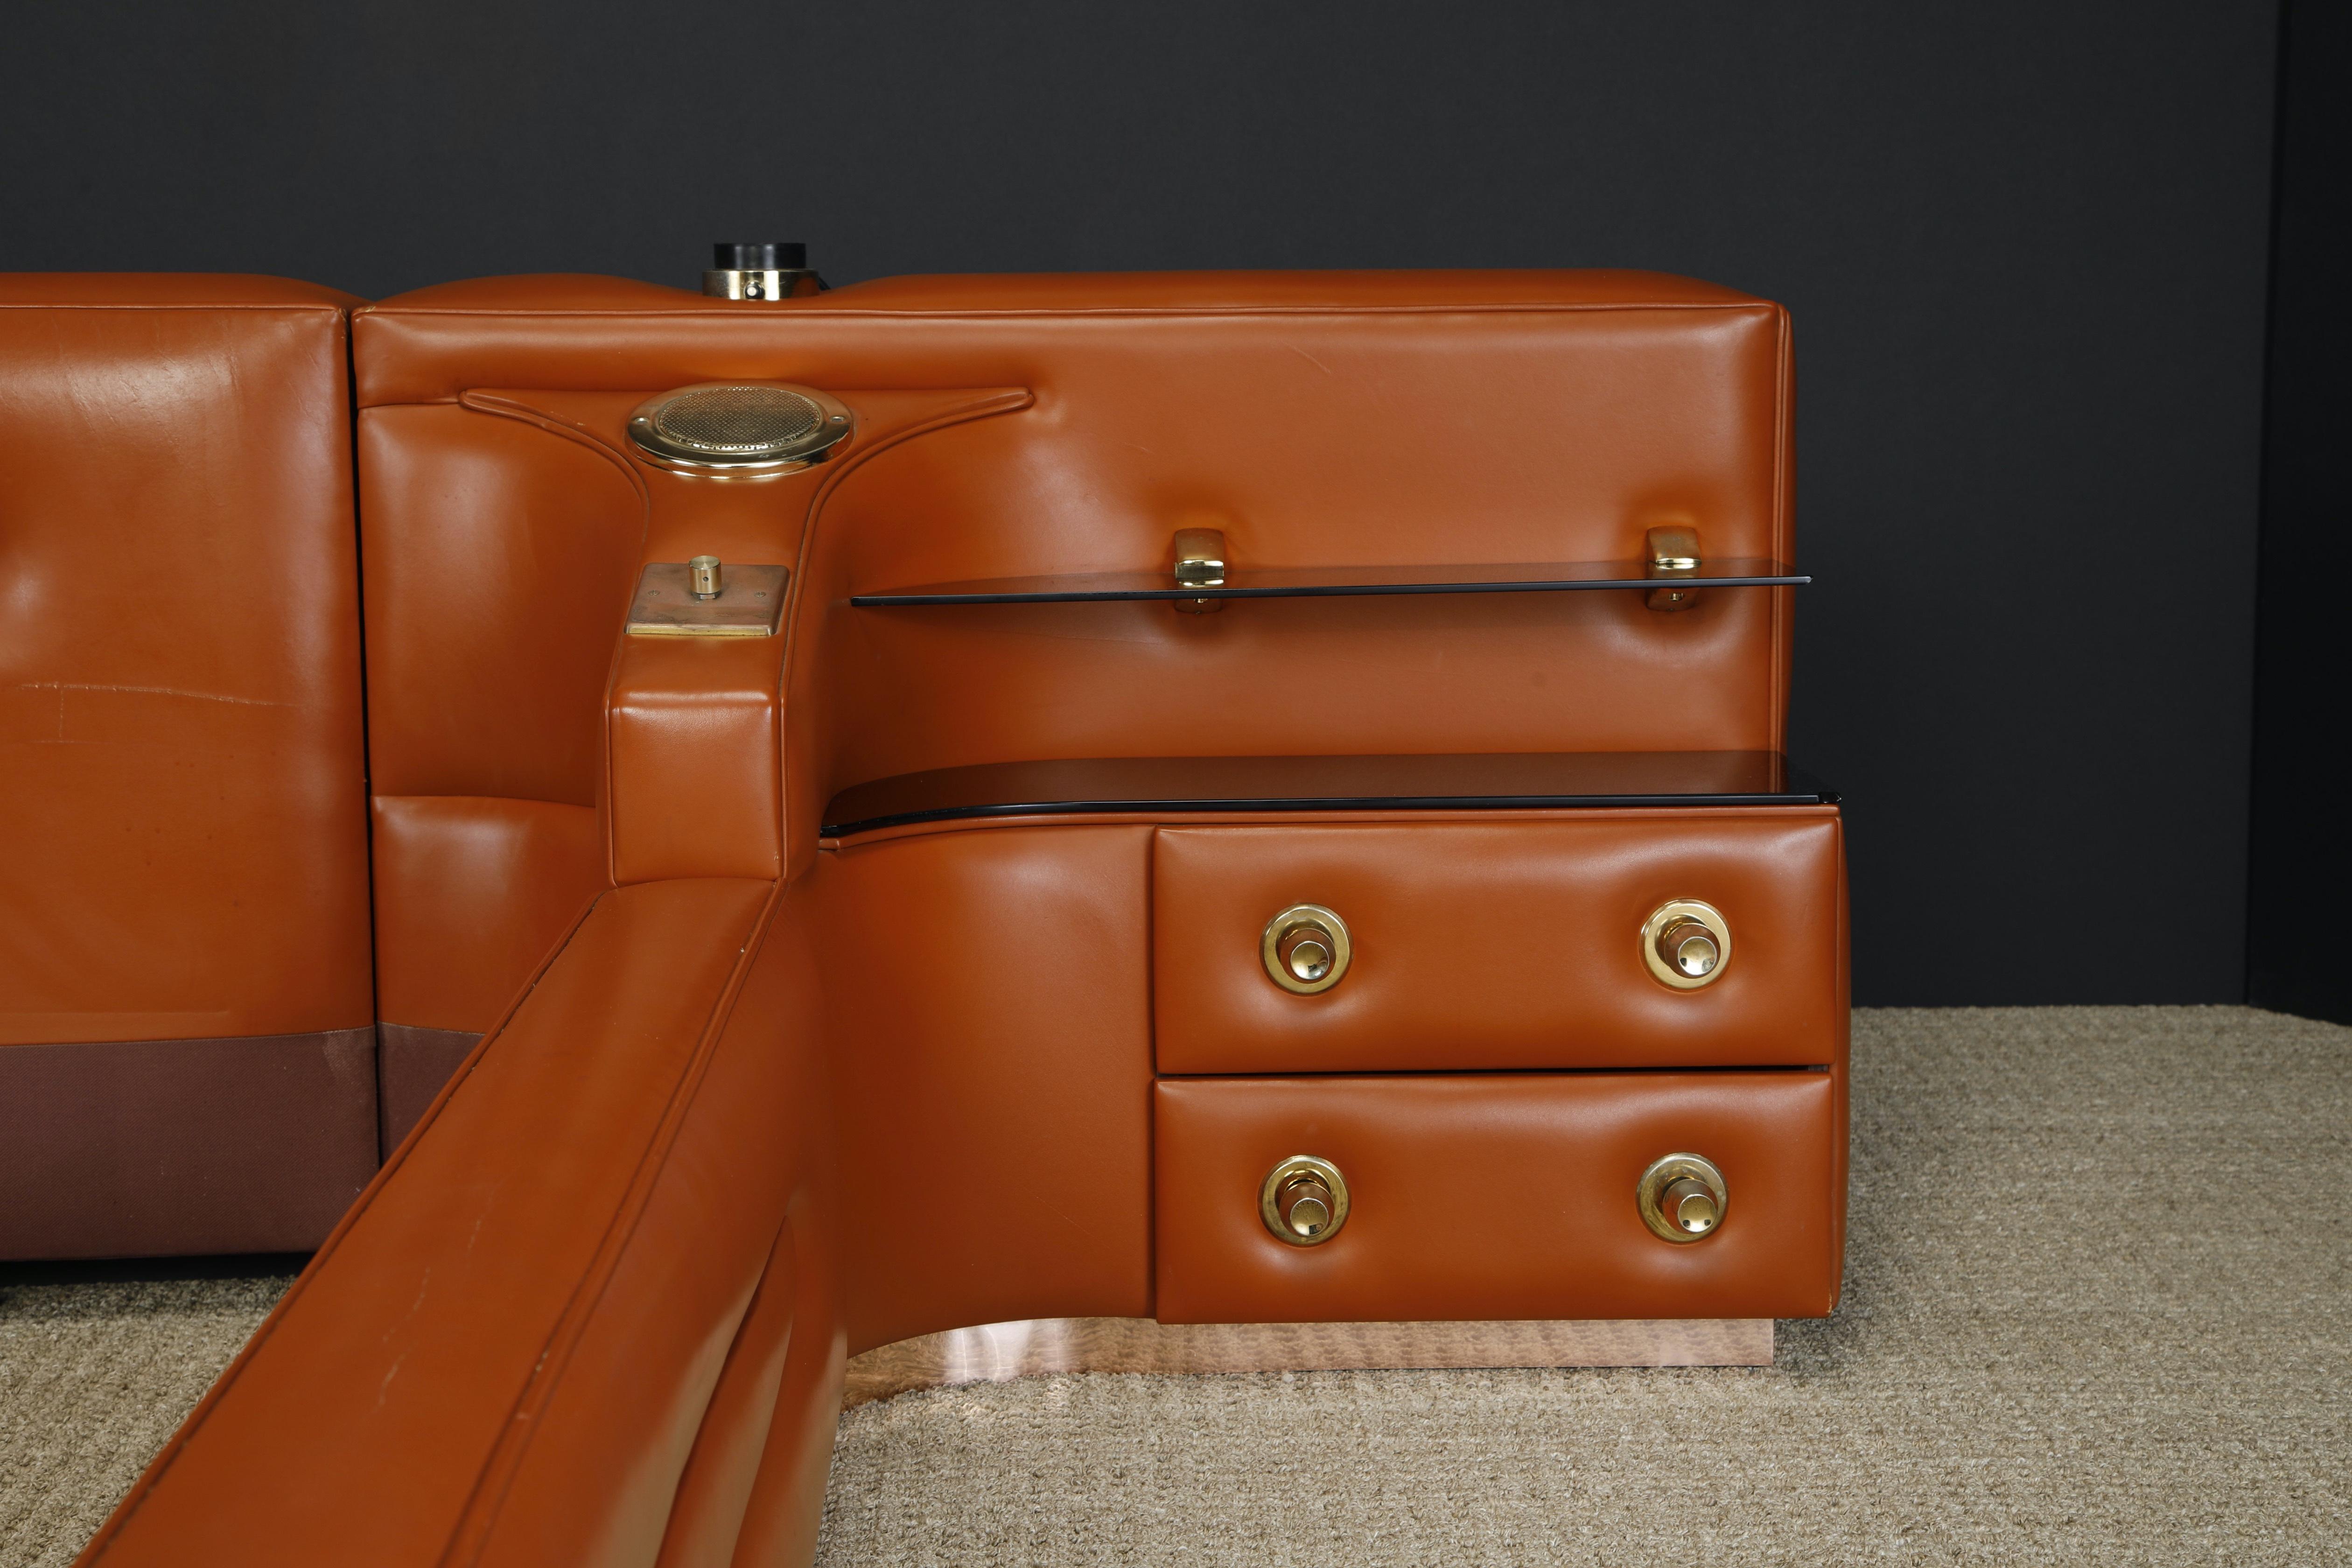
{"points": [[1179, 784], [1340, 582]]}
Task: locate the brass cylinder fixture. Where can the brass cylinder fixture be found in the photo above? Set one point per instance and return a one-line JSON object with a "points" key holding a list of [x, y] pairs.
{"points": [[766, 269], [1303, 1201], [1306, 949], [1682, 1198], [702, 576], [1687, 944]]}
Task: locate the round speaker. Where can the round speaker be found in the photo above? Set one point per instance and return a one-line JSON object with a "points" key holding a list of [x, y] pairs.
{"points": [[739, 429]]}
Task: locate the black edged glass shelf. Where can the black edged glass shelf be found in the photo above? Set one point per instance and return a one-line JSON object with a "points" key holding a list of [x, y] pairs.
{"points": [[1340, 582], [1171, 785]]}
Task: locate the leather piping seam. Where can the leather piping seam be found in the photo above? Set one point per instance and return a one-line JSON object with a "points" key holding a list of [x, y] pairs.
{"points": [[477, 1517], [514, 408], [734, 1345], [154, 1475], [475, 795], [511, 408]]}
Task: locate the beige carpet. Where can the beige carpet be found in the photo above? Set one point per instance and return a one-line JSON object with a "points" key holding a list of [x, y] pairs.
{"points": [[94, 1374], [2098, 1310]]}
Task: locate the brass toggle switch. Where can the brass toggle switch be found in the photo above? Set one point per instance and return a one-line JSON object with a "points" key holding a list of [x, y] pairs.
{"points": [[702, 576], [1306, 949], [1304, 1201], [1682, 1198], [1687, 944]]}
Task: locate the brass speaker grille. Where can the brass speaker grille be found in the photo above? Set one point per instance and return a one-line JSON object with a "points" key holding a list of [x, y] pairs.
{"points": [[739, 429], [739, 420]]}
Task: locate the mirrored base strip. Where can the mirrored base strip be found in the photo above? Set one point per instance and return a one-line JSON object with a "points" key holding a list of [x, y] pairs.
{"points": [[1000, 1352]]}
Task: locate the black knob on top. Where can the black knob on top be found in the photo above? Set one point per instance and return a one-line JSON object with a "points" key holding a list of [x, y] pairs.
{"points": [[767, 256]]}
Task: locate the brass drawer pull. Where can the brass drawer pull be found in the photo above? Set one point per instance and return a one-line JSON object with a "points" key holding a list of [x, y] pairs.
{"points": [[1687, 944], [1306, 949], [1304, 1201], [1682, 1198]]}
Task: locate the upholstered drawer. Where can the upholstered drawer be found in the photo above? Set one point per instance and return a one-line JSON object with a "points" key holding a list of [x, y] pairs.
{"points": [[1502, 944], [1506, 1196]]}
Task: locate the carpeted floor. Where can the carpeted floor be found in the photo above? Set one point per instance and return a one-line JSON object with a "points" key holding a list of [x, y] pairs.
{"points": [[96, 1369], [2096, 1310]]}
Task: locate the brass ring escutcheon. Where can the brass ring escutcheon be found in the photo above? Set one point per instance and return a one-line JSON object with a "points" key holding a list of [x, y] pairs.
{"points": [[1306, 949], [1682, 1198], [1687, 944], [1303, 1201]]}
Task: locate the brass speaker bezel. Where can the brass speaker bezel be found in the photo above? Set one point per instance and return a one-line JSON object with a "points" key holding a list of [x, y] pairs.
{"points": [[1699, 912], [1296, 917], [1286, 1170], [1665, 1172], [835, 424]]}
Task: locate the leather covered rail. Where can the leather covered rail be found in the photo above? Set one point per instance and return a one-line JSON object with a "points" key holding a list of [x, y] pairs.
{"points": [[587, 1214]]}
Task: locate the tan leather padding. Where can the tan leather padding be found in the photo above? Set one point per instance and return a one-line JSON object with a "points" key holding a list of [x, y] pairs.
{"points": [[1497, 1196], [181, 768], [471, 892], [1485, 945], [587, 1177], [987, 999]]}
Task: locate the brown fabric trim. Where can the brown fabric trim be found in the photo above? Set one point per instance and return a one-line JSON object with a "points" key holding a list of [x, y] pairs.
{"points": [[154, 1147], [412, 1064]]}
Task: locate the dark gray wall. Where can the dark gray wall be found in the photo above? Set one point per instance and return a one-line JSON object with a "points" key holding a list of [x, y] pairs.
{"points": [[2025, 244]]}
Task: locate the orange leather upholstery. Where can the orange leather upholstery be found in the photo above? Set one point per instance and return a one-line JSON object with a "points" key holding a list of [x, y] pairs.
{"points": [[1498, 1195], [498, 561], [590, 1211], [991, 1000], [1501, 945], [777, 1097], [186, 1055]]}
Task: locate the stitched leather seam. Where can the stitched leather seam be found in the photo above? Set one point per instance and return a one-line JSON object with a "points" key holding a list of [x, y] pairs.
{"points": [[476, 1521], [514, 408], [476, 1525], [189, 1429], [459, 795]]}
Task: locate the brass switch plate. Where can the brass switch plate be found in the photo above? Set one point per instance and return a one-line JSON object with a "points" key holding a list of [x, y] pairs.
{"points": [[750, 602]]}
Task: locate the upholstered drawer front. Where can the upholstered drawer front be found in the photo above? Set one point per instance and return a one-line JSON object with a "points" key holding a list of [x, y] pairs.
{"points": [[1502, 1195], [1503, 944]]}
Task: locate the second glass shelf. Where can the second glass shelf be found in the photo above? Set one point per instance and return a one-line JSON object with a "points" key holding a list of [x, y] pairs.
{"points": [[1184, 785]]}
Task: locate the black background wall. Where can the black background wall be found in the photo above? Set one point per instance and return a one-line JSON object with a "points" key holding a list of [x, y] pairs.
{"points": [[2302, 838], [2025, 245]]}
